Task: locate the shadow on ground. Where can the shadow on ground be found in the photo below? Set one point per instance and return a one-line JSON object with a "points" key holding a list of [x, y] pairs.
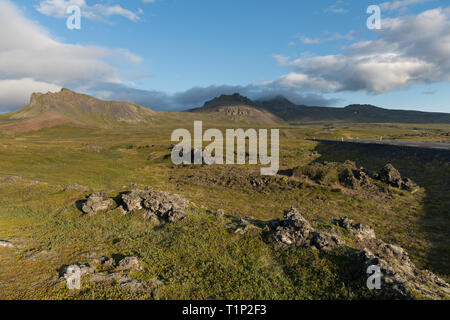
{"points": [[429, 168]]}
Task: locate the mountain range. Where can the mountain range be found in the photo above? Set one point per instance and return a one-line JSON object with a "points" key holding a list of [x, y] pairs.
{"points": [[70, 108], [283, 109]]}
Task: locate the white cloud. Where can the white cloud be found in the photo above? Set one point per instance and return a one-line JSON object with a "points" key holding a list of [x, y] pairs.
{"points": [[15, 93], [281, 59], [31, 60], [400, 4], [308, 40], [299, 80], [351, 35], [409, 49], [337, 7], [58, 9], [30, 56]]}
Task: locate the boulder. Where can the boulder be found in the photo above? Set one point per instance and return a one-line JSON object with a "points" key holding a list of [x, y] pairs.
{"points": [[353, 177], [129, 263], [363, 231], [325, 241], [97, 202], [151, 216], [293, 229], [296, 229], [360, 230], [106, 261], [158, 205], [133, 200], [343, 222], [348, 179], [400, 278], [409, 185], [390, 175]]}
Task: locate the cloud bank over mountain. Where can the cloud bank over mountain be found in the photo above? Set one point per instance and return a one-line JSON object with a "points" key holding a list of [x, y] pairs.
{"points": [[31, 59], [411, 49], [101, 12]]}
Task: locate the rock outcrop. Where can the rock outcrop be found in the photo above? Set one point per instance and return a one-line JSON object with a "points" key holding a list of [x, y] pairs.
{"points": [[361, 231], [390, 175], [158, 205], [129, 263], [296, 229], [353, 177], [117, 274], [97, 202], [399, 276], [349, 175], [75, 109]]}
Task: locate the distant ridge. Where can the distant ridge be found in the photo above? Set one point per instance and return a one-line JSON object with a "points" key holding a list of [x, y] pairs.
{"points": [[283, 109], [228, 100], [289, 111], [69, 107], [238, 108]]}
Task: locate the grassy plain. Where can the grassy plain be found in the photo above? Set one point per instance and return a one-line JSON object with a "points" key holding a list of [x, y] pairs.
{"points": [[202, 257]]}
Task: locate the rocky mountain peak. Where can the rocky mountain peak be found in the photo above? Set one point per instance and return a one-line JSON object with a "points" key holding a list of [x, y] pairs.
{"points": [[235, 99]]}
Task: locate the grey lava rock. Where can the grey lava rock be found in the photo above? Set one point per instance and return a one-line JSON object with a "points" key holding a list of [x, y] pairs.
{"points": [[325, 241], [353, 178], [400, 277], [129, 263], [390, 175], [361, 231], [293, 229], [97, 202], [158, 205]]}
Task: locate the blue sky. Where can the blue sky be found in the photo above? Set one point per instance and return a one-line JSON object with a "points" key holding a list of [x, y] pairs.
{"points": [[155, 52]]}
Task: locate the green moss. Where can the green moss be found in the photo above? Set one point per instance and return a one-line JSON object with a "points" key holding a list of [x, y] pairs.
{"points": [[202, 257]]}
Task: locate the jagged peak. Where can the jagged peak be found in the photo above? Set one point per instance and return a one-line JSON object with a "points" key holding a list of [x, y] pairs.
{"points": [[66, 90], [227, 100], [36, 95]]}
